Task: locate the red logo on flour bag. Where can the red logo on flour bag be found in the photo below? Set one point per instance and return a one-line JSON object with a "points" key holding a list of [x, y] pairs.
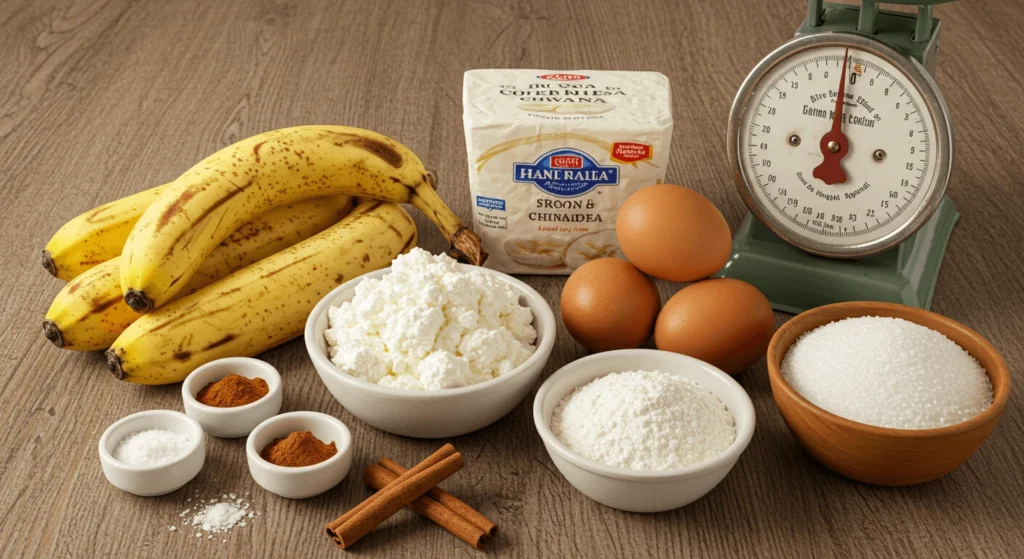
{"points": [[566, 162], [564, 77], [630, 152]]}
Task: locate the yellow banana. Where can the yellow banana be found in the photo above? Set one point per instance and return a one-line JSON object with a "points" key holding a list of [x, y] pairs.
{"points": [[90, 312], [95, 236], [262, 305], [254, 175]]}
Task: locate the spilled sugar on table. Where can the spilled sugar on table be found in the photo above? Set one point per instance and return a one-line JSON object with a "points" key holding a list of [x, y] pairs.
{"points": [[103, 99]]}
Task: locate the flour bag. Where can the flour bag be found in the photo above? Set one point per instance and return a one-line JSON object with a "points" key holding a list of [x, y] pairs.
{"points": [[552, 156]]}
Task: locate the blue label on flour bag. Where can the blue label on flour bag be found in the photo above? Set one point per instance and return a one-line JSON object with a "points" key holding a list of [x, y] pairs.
{"points": [[566, 173], [490, 203]]}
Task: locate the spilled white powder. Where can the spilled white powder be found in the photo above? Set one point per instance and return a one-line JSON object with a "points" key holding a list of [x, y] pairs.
{"points": [[644, 421], [217, 515], [887, 372], [151, 447], [220, 517]]}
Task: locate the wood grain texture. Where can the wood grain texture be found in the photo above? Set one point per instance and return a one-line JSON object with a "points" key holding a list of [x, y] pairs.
{"points": [[102, 98]]}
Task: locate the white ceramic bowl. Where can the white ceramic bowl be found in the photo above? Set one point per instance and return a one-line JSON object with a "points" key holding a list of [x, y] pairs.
{"points": [[305, 481], [149, 481], [431, 413], [642, 490], [239, 421]]}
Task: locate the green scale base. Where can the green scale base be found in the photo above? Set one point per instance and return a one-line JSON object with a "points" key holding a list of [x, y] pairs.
{"points": [[795, 281]]}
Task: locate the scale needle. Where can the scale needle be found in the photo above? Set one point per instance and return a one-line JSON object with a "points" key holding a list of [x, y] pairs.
{"points": [[834, 144]]}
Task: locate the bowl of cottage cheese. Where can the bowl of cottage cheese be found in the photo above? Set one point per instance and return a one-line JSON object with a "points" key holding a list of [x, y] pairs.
{"points": [[429, 347]]}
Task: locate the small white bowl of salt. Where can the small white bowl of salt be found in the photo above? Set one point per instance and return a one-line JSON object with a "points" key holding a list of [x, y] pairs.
{"points": [[152, 452]]}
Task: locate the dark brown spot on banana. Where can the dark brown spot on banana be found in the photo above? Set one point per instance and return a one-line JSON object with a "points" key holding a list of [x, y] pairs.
{"points": [[256, 150], [175, 208], [182, 356], [410, 187], [408, 244], [93, 217], [380, 149], [224, 199], [185, 317], [288, 265], [213, 207], [220, 342], [101, 306]]}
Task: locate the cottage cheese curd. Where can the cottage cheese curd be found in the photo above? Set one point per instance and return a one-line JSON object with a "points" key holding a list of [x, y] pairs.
{"points": [[428, 325]]}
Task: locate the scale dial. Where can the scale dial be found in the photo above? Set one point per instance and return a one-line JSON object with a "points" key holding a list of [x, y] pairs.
{"points": [[883, 166]]}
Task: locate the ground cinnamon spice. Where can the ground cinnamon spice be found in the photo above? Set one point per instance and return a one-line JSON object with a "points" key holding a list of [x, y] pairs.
{"points": [[298, 449], [233, 391]]}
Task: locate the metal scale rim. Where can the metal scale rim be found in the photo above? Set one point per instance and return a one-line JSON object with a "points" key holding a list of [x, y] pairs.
{"points": [[919, 78], [794, 279]]}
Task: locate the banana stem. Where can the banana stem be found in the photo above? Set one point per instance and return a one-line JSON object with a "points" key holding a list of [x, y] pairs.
{"points": [[465, 244], [465, 247]]}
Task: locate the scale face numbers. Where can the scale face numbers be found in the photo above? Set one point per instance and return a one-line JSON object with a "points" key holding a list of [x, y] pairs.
{"points": [[894, 146]]}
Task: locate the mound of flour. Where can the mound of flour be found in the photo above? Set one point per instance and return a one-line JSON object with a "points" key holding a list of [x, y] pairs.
{"points": [[644, 420]]}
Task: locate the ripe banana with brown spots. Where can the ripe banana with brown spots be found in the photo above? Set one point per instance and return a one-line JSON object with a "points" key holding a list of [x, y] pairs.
{"points": [[205, 204], [262, 305], [96, 236], [90, 312]]}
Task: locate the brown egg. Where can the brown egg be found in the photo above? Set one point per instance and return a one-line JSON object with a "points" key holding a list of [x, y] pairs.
{"points": [[673, 233], [724, 321], [608, 304]]}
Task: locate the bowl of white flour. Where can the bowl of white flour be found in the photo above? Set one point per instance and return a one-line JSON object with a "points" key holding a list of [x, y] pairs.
{"points": [[643, 430], [429, 347]]}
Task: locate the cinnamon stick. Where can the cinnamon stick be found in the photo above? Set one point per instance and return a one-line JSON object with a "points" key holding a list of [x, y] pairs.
{"points": [[439, 455], [448, 500], [394, 498], [378, 478]]}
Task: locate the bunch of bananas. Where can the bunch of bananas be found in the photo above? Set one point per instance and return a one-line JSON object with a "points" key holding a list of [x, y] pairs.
{"points": [[230, 258]]}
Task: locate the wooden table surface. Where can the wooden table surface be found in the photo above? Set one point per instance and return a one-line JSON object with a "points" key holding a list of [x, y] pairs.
{"points": [[100, 99]]}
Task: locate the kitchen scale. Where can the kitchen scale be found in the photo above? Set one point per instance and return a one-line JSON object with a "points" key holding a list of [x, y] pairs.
{"points": [[848, 197]]}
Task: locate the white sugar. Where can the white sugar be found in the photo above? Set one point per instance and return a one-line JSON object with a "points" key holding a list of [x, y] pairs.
{"points": [[887, 372], [220, 517], [644, 421], [152, 447]]}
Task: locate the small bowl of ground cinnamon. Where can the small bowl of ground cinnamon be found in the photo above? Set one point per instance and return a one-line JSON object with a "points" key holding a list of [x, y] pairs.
{"points": [[230, 397], [299, 454]]}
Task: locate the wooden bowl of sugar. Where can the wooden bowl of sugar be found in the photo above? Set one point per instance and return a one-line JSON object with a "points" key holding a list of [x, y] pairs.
{"points": [[884, 455]]}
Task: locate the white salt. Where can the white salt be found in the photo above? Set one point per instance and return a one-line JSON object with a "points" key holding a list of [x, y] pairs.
{"points": [[887, 372], [644, 421], [221, 516], [152, 447]]}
